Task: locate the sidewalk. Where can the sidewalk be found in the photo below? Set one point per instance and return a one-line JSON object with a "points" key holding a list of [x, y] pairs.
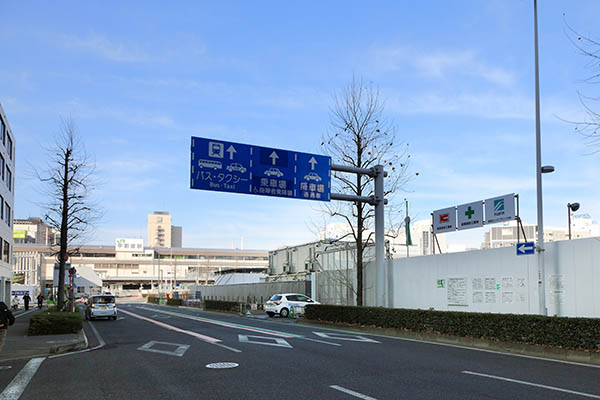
{"points": [[18, 345]]}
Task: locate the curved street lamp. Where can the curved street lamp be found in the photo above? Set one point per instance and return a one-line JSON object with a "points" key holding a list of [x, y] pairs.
{"points": [[571, 207]]}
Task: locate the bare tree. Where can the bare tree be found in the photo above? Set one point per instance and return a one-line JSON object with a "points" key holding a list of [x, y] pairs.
{"points": [[590, 127], [360, 135], [68, 184]]}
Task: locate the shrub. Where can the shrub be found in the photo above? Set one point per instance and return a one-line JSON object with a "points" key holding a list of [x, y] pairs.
{"points": [[221, 305], [574, 333], [175, 302], [55, 323]]}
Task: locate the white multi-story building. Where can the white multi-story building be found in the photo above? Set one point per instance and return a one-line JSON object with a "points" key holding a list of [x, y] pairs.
{"points": [[160, 231], [7, 190]]}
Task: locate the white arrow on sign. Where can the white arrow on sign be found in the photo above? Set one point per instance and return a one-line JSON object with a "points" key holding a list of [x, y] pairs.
{"points": [[274, 157], [312, 163], [522, 248], [231, 150]]}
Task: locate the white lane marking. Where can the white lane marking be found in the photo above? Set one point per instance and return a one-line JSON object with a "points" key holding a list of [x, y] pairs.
{"points": [[227, 347], [339, 336], [278, 342], [457, 346], [593, 396], [179, 351], [16, 387], [98, 337], [174, 328], [352, 393], [226, 324], [25, 313], [320, 341], [222, 365], [5, 367]]}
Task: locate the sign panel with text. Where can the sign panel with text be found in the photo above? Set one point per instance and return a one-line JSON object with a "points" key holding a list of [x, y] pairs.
{"points": [[500, 209], [469, 215], [444, 220], [218, 165]]}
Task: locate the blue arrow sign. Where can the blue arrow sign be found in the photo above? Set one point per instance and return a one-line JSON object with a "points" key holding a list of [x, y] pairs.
{"points": [[223, 166], [525, 248]]}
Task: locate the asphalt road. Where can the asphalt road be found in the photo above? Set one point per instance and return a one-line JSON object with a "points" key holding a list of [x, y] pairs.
{"points": [[155, 352]]}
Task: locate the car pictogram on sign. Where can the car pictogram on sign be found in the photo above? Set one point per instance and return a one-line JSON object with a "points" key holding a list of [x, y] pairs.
{"points": [[274, 172], [236, 167]]}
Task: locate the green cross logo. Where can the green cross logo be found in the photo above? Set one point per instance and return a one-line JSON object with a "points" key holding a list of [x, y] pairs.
{"points": [[469, 213]]}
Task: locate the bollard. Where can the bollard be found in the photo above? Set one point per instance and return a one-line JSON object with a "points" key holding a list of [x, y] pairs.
{"points": [[291, 314]]}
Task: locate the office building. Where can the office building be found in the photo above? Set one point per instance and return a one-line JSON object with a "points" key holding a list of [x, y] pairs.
{"points": [[7, 173], [34, 230]]}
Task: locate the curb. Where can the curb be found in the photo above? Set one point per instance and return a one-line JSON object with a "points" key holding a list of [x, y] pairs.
{"points": [[529, 350], [80, 344]]}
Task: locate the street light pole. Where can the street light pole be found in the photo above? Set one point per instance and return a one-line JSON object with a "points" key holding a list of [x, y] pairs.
{"points": [[571, 207], [538, 158]]}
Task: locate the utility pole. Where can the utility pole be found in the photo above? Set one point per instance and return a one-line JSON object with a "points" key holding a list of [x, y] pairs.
{"points": [[538, 159]]}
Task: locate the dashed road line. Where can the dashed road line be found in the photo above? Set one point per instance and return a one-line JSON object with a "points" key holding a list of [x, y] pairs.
{"points": [[352, 393], [593, 396], [15, 388]]}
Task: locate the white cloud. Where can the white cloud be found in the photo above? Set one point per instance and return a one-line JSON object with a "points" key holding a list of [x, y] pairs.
{"points": [[100, 45], [439, 64]]}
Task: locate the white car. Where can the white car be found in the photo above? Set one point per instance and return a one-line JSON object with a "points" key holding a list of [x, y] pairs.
{"points": [[281, 303], [103, 305]]}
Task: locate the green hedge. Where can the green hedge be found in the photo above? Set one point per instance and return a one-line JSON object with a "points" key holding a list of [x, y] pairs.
{"points": [[573, 333], [221, 305], [175, 302], [55, 323]]}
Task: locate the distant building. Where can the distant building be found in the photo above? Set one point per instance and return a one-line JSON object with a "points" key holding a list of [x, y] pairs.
{"points": [[176, 236], [129, 268], [34, 230], [508, 234], [7, 174]]}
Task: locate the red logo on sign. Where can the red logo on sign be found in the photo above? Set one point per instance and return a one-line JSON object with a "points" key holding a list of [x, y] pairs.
{"points": [[444, 217]]}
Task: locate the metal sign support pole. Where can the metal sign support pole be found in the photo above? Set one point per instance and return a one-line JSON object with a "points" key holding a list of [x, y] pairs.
{"points": [[379, 236], [379, 202]]}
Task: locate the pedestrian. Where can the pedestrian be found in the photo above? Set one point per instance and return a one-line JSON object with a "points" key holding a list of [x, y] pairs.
{"points": [[26, 299], [6, 318], [40, 300], [15, 303]]}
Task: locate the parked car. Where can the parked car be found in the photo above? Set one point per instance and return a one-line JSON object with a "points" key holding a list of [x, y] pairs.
{"points": [[281, 303], [103, 305]]}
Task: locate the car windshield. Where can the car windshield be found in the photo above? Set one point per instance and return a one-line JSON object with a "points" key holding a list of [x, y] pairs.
{"points": [[275, 298], [103, 300]]}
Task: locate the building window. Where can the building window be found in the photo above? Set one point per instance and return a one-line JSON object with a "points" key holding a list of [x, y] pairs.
{"points": [[6, 252], [2, 208], [10, 147], [7, 214], [2, 165], [8, 179], [2, 130]]}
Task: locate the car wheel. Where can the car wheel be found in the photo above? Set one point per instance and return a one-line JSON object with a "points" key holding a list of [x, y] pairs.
{"points": [[271, 314], [284, 313]]}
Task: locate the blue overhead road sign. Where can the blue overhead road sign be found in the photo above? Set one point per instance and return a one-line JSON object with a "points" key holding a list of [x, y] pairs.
{"points": [[224, 166], [525, 248]]}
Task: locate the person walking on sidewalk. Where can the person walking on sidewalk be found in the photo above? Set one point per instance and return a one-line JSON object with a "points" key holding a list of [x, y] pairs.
{"points": [[26, 299], [15, 303], [6, 318], [40, 300]]}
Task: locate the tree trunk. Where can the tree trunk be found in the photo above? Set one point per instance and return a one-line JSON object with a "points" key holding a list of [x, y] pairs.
{"points": [[62, 257]]}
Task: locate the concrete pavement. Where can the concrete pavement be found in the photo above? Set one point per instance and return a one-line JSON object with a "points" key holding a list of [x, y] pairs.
{"points": [[159, 352]]}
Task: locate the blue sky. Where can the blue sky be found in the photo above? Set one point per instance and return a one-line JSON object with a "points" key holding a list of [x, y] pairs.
{"points": [[140, 78]]}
